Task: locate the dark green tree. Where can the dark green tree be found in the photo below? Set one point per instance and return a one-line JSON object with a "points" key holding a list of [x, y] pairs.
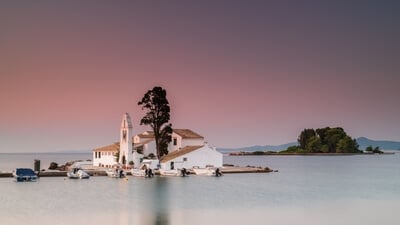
{"points": [[322, 132], [347, 145], [369, 149], [326, 140], [304, 136], [313, 144], [157, 116], [375, 150], [333, 136]]}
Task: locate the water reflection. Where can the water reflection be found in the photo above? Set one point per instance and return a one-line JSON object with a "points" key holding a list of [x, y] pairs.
{"points": [[155, 209], [160, 201], [124, 217]]}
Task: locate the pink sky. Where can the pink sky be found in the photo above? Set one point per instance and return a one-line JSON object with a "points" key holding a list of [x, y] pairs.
{"points": [[239, 74]]}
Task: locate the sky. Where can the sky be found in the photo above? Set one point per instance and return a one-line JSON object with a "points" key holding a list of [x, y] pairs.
{"points": [[240, 73]]}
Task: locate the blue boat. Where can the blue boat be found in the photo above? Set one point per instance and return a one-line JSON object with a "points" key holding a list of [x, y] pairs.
{"points": [[25, 174]]}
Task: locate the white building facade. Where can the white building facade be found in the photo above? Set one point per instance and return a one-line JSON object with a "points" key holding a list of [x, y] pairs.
{"points": [[106, 156], [192, 157], [186, 150], [120, 153]]}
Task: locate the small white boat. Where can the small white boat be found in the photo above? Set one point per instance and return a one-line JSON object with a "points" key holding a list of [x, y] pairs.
{"points": [[138, 172], [77, 173], [24, 174], [116, 173], [204, 171], [170, 173]]}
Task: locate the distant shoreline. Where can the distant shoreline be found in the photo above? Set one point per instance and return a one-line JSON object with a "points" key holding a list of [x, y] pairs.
{"points": [[303, 154]]}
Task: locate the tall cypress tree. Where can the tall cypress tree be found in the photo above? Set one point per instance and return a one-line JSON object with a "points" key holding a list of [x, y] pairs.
{"points": [[157, 116]]}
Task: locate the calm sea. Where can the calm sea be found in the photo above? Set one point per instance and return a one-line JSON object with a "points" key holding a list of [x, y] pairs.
{"points": [[307, 190]]}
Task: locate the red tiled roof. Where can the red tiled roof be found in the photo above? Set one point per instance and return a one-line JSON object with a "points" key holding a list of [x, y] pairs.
{"points": [[149, 135], [108, 148], [179, 152], [187, 133]]}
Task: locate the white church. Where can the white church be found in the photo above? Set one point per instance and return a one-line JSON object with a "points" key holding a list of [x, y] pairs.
{"points": [[186, 150]]}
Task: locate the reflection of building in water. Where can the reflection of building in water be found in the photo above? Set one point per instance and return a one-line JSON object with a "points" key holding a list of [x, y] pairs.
{"points": [[156, 210], [125, 216], [187, 149]]}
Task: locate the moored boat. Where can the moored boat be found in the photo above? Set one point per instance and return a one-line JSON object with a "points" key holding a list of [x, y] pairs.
{"points": [[204, 171], [138, 172], [24, 174], [116, 173], [77, 173], [170, 173], [209, 171]]}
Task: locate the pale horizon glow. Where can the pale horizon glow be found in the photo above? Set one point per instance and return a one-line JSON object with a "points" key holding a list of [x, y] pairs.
{"points": [[239, 73]]}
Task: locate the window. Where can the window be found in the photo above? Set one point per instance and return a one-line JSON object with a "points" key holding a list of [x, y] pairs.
{"points": [[175, 141]]}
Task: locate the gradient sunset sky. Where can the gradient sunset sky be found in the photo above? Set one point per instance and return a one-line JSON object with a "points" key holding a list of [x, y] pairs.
{"points": [[238, 72]]}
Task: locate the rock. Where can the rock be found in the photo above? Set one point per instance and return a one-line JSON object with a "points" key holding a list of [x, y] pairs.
{"points": [[53, 166], [230, 165]]}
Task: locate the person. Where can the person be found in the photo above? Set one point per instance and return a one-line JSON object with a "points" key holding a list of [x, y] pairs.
{"points": [[184, 173], [121, 173], [150, 172], [218, 173]]}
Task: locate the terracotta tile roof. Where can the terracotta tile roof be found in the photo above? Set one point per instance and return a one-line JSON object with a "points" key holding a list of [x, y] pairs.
{"points": [[149, 135], [186, 133], [142, 143], [180, 152], [109, 148]]}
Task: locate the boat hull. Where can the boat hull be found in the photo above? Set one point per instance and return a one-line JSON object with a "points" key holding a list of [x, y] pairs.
{"points": [[24, 174]]}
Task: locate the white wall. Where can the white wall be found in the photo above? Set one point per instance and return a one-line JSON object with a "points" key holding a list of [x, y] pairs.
{"points": [[107, 158], [150, 148], [205, 156], [182, 142], [192, 141], [171, 146]]}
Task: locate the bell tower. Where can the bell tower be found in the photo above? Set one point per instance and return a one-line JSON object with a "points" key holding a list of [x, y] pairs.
{"points": [[125, 144]]}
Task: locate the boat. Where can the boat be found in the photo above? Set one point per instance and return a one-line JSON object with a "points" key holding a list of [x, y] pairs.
{"points": [[138, 172], [174, 173], [24, 174], [204, 171], [116, 173], [170, 173], [209, 171], [77, 173]]}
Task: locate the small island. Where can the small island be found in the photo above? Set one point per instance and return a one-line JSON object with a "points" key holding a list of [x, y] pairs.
{"points": [[321, 141]]}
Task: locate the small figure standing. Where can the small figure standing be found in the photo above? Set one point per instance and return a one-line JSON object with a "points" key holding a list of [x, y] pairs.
{"points": [[150, 172], [218, 173], [184, 172]]}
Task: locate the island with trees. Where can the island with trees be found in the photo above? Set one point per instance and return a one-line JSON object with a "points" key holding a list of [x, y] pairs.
{"points": [[321, 141]]}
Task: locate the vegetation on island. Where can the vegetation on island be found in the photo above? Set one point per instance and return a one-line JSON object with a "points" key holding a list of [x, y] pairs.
{"points": [[320, 141], [373, 150], [324, 140], [157, 116]]}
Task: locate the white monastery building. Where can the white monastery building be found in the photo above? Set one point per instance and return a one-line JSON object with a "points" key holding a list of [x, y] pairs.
{"points": [[186, 150]]}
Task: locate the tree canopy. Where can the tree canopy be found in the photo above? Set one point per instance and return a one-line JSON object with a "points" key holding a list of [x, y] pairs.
{"points": [[325, 140], [157, 116]]}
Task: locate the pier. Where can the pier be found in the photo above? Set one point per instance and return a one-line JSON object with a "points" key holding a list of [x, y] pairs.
{"points": [[101, 172]]}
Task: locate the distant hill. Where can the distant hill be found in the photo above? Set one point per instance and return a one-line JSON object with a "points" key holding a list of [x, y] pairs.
{"points": [[258, 148], [385, 145]]}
